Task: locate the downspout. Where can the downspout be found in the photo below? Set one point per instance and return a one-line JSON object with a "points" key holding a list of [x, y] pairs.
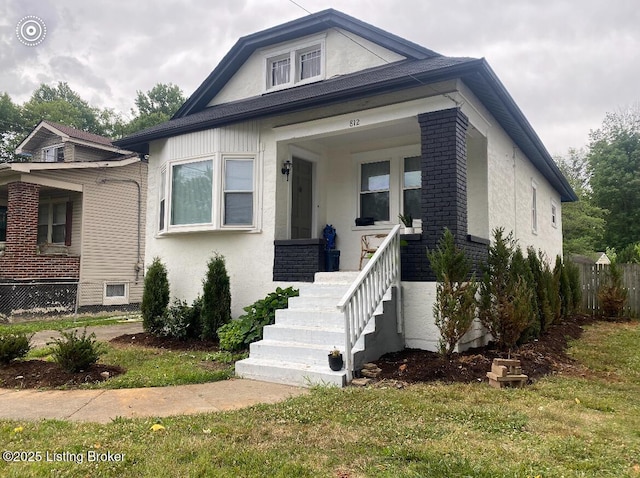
{"points": [[138, 266], [515, 196]]}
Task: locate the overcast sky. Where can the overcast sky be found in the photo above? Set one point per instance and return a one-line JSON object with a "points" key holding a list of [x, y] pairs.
{"points": [[566, 63]]}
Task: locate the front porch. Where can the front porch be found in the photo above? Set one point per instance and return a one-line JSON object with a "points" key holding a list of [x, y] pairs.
{"points": [[432, 166]]}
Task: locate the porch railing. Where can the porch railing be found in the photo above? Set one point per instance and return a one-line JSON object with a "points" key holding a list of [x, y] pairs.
{"points": [[366, 293]]}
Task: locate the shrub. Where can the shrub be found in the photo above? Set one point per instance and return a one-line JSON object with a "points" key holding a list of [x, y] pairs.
{"points": [[455, 307], [74, 353], [520, 269], [239, 333], [543, 278], [612, 294], [13, 346], [505, 299], [182, 321], [573, 274], [155, 296], [216, 299]]}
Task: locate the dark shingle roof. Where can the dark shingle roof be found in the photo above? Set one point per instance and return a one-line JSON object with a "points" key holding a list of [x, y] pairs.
{"points": [[79, 134], [363, 83]]}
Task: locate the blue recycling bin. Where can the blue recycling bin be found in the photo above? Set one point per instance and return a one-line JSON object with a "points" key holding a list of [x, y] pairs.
{"points": [[331, 255]]}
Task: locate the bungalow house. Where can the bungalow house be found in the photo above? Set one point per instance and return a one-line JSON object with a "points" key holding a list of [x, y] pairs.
{"points": [[71, 223], [329, 120]]}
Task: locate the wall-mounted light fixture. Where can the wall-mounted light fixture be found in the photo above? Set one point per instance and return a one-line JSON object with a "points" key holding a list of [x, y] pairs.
{"points": [[286, 168]]}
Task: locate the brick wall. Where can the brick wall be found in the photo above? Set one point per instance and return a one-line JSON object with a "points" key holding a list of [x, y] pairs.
{"points": [[444, 193], [21, 259], [298, 259]]}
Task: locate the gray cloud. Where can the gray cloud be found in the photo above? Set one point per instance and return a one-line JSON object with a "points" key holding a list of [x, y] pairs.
{"points": [[565, 63]]}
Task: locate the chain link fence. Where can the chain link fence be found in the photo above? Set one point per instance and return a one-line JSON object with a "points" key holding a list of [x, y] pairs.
{"points": [[33, 300]]}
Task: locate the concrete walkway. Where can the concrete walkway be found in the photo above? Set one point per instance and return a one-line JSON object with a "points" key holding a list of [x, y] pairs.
{"points": [[102, 406]]}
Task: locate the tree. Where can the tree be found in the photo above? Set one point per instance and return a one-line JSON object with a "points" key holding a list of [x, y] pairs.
{"points": [[455, 307], [155, 106], [216, 298], [62, 105], [10, 128], [155, 296], [583, 223], [614, 166]]}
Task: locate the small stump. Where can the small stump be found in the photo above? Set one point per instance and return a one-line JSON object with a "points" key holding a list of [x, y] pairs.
{"points": [[506, 372]]}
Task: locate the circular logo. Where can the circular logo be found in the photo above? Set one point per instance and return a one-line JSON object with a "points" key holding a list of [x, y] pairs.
{"points": [[31, 30]]}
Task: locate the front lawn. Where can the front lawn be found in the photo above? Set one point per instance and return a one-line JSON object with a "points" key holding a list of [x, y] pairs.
{"points": [[580, 425]]}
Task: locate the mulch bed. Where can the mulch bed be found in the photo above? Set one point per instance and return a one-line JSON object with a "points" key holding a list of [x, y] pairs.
{"points": [[544, 356], [145, 339], [42, 374]]}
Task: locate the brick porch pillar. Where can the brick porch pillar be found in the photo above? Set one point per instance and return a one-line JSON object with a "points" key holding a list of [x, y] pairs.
{"points": [[22, 219], [444, 192]]}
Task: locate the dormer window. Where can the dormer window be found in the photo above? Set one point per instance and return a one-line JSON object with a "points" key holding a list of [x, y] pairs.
{"points": [[296, 65], [53, 154]]}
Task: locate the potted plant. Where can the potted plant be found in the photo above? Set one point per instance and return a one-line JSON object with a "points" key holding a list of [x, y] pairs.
{"points": [[407, 220], [335, 360]]}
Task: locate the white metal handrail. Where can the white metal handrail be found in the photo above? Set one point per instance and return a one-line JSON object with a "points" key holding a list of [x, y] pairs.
{"points": [[366, 293]]}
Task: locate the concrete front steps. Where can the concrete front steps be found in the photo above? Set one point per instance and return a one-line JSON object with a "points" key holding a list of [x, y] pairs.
{"points": [[294, 350]]}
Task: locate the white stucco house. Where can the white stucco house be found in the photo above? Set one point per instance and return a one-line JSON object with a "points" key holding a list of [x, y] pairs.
{"points": [[324, 120]]}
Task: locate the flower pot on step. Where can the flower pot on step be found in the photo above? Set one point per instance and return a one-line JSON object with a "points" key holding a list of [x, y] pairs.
{"points": [[335, 362]]}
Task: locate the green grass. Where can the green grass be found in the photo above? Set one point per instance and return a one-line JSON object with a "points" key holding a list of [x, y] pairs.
{"points": [[61, 324], [568, 426], [152, 367]]}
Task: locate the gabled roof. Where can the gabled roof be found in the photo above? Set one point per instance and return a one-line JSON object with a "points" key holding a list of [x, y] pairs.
{"points": [[305, 26], [67, 133], [422, 66]]}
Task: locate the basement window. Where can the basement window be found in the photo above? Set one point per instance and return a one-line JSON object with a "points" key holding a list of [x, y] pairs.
{"points": [[115, 293]]}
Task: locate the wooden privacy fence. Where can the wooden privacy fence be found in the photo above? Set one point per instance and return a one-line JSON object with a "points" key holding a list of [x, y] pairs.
{"points": [[593, 275]]}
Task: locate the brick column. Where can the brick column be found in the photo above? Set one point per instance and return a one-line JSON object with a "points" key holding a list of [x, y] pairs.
{"points": [[22, 219], [21, 260], [444, 191]]}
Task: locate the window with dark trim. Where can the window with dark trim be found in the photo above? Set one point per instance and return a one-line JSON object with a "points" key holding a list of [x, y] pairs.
{"points": [[3, 223]]}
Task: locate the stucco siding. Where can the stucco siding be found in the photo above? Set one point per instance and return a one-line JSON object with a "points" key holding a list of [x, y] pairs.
{"points": [[343, 56]]}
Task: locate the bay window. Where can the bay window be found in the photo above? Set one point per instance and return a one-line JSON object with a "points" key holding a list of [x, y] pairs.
{"points": [[207, 194]]}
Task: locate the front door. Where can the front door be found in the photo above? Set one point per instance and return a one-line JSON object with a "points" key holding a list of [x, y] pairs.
{"points": [[301, 199]]}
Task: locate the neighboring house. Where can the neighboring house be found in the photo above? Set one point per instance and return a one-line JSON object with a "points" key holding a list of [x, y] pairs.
{"points": [[71, 223], [326, 119]]}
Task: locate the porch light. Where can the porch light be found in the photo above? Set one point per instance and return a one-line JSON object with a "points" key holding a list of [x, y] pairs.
{"points": [[286, 168]]}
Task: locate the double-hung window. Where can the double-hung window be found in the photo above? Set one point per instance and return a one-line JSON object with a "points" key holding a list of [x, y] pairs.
{"points": [[207, 194], [411, 187], [238, 192], [374, 190], [389, 184], [3, 223], [297, 64], [554, 213], [52, 223], [534, 207], [53, 154]]}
